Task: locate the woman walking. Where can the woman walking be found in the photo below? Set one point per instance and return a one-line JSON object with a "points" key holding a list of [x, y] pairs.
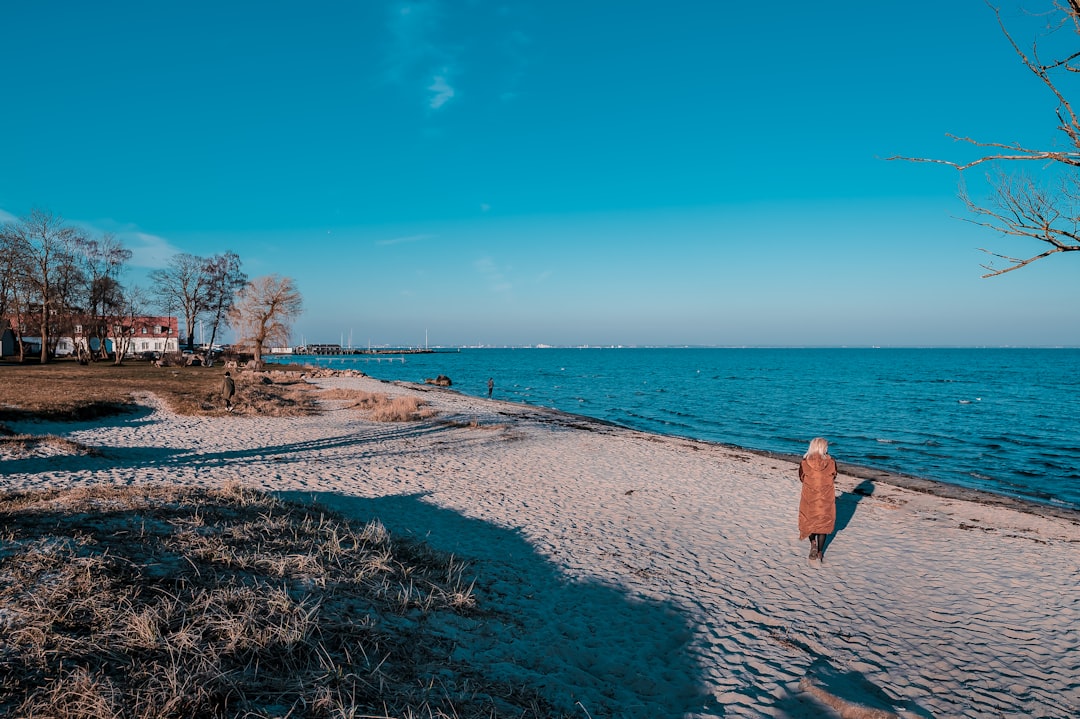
{"points": [[817, 505]]}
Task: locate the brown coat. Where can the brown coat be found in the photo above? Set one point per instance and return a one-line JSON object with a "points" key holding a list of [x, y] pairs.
{"points": [[817, 505]]}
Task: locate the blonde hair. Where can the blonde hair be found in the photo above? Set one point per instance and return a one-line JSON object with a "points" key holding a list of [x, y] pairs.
{"points": [[818, 445]]}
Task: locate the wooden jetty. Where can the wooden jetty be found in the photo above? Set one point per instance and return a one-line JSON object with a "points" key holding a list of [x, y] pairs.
{"points": [[333, 349]]}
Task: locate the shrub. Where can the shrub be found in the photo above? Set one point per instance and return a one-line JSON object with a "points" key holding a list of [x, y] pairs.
{"points": [[380, 407]]}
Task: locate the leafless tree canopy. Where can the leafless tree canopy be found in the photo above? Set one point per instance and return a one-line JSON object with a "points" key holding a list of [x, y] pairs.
{"points": [[103, 263], [225, 280], [183, 287], [40, 253], [56, 281], [264, 312], [1019, 205]]}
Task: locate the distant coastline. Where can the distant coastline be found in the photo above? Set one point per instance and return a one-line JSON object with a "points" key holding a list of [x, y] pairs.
{"points": [[542, 346]]}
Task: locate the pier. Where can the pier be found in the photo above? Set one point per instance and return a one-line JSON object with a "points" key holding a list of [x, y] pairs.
{"points": [[332, 349]]}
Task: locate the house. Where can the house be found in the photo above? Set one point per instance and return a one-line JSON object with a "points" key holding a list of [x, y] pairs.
{"points": [[147, 334], [160, 335]]}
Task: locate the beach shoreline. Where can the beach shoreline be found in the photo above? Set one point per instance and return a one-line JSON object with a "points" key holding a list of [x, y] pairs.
{"points": [[639, 575], [942, 415], [933, 487]]}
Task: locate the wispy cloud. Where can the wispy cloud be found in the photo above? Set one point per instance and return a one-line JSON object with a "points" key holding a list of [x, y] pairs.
{"points": [[148, 251], [426, 49], [417, 54], [442, 92], [404, 240], [493, 274]]}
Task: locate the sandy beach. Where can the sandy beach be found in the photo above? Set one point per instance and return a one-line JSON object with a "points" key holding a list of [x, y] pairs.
{"points": [[634, 575]]}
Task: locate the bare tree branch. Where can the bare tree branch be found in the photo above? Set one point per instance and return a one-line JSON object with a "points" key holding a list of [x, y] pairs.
{"points": [[1018, 206], [1023, 209]]}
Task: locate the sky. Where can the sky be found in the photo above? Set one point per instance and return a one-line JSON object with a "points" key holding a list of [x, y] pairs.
{"points": [[558, 172]]}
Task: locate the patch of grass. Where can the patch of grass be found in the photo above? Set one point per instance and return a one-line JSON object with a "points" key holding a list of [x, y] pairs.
{"points": [[380, 407], [159, 602], [30, 445], [66, 390]]}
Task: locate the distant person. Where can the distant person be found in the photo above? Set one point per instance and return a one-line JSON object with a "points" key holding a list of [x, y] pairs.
{"points": [[491, 385], [817, 505], [228, 389]]}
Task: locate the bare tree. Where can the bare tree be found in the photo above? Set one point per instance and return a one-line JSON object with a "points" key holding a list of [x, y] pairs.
{"points": [[68, 297], [103, 262], [183, 285], [225, 280], [1018, 206], [127, 311], [44, 249], [264, 312], [9, 306], [17, 291]]}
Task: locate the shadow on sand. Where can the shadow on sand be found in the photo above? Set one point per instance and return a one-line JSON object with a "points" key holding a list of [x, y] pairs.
{"points": [[586, 645], [844, 693], [158, 459], [846, 505]]}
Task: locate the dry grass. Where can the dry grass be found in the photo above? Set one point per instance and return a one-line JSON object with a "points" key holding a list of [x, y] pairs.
{"points": [[380, 407], [157, 602], [48, 445], [67, 390]]}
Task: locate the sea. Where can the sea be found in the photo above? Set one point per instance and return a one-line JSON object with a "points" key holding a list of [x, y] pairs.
{"points": [[1001, 420]]}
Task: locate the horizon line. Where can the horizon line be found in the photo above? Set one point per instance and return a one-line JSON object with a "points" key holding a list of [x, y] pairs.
{"points": [[383, 346]]}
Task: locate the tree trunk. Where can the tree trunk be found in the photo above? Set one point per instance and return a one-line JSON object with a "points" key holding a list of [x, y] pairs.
{"points": [[44, 332]]}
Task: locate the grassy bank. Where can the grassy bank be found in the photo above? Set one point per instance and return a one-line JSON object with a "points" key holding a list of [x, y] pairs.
{"points": [[67, 390], [170, 601], [155, 602]]}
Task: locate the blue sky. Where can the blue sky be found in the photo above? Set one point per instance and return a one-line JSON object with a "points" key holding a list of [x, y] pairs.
{"points": [[475, 172]]}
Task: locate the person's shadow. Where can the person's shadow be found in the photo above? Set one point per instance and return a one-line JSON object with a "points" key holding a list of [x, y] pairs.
{"points": [[846, 504]]}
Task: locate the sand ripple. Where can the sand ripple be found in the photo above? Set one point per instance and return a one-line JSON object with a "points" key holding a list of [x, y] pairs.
{"points": [[640, 576]]}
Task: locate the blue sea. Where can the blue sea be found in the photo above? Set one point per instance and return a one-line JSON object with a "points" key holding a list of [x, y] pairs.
{"points": [[1005, 421]]}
